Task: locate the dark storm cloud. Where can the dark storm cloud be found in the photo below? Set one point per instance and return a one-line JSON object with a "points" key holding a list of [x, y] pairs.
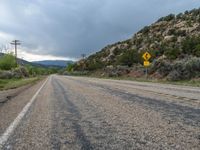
{"points": [[71, 27]]}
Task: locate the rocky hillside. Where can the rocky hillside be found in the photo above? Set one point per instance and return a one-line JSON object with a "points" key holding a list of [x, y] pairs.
{"points": [[172, 40]]}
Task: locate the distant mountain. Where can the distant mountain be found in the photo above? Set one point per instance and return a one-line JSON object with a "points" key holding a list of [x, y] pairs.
{"points": [[44, 63], [57, 63]]}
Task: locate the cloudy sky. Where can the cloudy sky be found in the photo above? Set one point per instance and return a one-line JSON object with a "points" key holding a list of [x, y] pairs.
{"points": [[64, 29]]}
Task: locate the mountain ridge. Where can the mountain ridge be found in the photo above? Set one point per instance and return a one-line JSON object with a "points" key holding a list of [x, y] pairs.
{"points": [[44, 63], [59, 63]]}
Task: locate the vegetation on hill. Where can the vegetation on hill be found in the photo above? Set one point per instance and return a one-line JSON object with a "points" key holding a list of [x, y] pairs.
{"points": [[173, 41], [13, 75], [7, 62], [9, 69]]}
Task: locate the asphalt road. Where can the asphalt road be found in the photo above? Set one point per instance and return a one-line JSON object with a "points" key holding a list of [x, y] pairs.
{"points": [[88, 113]]}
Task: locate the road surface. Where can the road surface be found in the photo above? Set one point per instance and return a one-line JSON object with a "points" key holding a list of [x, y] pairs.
{"points": [[88, 113]]}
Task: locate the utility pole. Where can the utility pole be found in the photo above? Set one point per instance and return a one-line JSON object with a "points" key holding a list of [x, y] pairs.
{"points": [[1, 49], [6, 48], [83, 56], [15, 43]]}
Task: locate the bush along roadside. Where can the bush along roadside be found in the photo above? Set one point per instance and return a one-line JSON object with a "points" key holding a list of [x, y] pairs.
{"points": [[9, 68], [14, 76], [19, 72], [183, 69]]}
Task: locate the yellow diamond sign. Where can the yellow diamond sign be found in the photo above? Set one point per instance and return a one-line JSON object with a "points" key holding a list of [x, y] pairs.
{"points": [[146, 56], [146, 63]]}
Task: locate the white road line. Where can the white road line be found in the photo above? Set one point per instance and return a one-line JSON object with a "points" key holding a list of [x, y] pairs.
{"points": [[4, 137]]}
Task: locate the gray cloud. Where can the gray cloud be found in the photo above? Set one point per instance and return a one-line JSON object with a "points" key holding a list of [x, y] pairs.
{"points": [[71, 27]]}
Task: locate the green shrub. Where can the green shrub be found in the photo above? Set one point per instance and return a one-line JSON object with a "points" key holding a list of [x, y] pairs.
{"points": [[167, 18], [179, 16], [195, 12], [191, 46], [186, 12], [117, 51], [129, 58], [189, 23], [172, 32], [24, 71], [172, 53], [197, 50], [145, 30], [70, 67], [193, 65], [181, 33], [34, 70], [7, 62], [174, 76], [20, 72], [185, 69], [6, 74], [163, 67], [181, 69], [94, 65]]}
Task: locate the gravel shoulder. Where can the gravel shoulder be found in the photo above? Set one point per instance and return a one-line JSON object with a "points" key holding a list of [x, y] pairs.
{"points": [[15, 87]]}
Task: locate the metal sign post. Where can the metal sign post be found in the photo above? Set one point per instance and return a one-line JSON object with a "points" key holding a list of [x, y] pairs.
{"points": [[146, 56], [146, 73]]}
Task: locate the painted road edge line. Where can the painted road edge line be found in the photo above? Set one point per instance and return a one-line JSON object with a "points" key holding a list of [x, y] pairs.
{"points": [[5, 136]]}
